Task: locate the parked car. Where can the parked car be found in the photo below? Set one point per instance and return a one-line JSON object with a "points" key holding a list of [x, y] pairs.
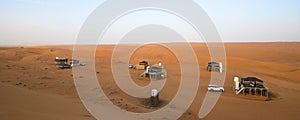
{"points": [[65, 66], [215, 88], [131, 66], [82, 63], [76, 63]]}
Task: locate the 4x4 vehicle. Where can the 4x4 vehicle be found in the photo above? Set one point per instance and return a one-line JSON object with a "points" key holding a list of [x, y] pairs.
{"points": [[65, 66], [215, 88]]}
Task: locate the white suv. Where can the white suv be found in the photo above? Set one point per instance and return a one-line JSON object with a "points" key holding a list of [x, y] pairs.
{"points": [[215, 88]]}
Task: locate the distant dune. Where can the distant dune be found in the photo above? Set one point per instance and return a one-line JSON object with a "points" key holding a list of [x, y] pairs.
{"points": [[32, 87]]}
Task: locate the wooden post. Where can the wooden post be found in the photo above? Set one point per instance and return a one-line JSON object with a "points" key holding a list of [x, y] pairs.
{"points": [[250, 91], [255, 91]]}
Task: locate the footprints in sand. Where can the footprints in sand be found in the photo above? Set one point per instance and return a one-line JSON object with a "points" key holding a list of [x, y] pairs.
{"points": [[123, 105], [119, 101], [21, 83]]}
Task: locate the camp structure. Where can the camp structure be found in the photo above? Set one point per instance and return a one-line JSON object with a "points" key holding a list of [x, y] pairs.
{"points": [[60, 61], [250, 85], [214, 66], [144, 63], [141, 66], [155, 72]]}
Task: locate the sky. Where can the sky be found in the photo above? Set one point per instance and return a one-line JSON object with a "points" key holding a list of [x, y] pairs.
{"points": [[43, 22]]}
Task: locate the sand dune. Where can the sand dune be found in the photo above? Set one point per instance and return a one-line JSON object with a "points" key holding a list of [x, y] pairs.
{"points": [[32, 87], [19, 104]]}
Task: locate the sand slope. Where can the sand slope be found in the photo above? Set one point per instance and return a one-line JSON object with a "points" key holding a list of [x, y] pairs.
{"points": [[19, 104], [32, 87]]}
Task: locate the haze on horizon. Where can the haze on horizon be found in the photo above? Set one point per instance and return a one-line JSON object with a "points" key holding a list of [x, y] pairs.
{"points": [[44, 22]]}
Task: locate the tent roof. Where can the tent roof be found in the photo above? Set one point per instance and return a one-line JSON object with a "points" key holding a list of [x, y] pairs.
{"points": [[252, 79]]}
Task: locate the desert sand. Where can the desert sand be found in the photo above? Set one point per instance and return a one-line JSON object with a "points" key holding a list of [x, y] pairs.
{"points": [[32, 86]]}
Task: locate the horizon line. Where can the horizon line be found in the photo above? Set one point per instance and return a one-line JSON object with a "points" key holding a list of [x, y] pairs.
{"points": [[68, 44]]}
